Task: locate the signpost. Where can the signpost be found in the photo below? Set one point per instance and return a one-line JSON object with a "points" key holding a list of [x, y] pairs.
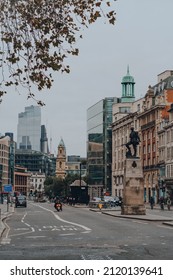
{"points": [[8, 189]]}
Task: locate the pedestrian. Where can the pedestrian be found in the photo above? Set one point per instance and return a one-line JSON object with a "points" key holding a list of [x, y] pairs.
{"points": [[168, 203], [162, 203], [152, 202]]}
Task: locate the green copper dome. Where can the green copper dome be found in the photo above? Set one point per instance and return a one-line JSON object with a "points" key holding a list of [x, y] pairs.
{"points": [[128, 84], [128, 78]]}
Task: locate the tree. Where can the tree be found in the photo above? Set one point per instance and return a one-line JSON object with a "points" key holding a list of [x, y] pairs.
{"points": [[38, 35]]}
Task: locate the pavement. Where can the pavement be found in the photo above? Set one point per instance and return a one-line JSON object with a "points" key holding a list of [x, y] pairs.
{"points": [[155, 215]]}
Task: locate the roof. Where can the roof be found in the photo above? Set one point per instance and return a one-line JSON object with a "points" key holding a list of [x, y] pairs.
{"points": [[78, 183], [61, 143], [128, 78]]}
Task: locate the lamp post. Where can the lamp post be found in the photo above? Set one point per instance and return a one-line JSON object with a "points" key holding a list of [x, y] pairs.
{"points": [[80, 174]]}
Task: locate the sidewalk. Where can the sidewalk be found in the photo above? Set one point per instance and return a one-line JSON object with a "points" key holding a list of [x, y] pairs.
{"points": [[5, 211], [155, 215]]}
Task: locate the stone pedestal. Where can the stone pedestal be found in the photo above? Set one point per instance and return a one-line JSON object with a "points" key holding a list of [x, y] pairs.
{"points": [[133, 195]]}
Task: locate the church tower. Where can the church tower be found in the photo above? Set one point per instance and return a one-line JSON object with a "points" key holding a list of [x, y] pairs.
{"points": [[128, 88], [61, 160]]}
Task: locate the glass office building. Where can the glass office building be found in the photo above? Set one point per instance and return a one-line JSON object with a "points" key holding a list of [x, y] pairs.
{"points": [[99, 144], [29, 129]]}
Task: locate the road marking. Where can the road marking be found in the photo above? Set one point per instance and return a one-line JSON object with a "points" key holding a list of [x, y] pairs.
{"points": [[20, 228], [58, 228], [139, 222], [64, 234], [167, 227], [38, 236], [5, 241], [62, 220], [29, 227]]}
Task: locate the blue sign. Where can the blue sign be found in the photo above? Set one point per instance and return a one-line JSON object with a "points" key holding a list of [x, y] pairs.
{"points": [[8, 188]]}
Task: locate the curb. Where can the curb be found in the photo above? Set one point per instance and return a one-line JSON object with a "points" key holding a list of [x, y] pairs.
{"points": [[168, 224], [140, 217]]}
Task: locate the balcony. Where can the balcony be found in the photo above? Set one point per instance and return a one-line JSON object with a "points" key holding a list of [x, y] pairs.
{"points": [[150, 167], [148, 125]]}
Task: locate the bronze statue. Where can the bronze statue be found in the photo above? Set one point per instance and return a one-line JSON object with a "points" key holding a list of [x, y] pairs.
{"points": [[134, 141]]}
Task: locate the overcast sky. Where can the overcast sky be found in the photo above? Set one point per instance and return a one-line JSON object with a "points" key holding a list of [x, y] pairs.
{"points": [[141, 38]]}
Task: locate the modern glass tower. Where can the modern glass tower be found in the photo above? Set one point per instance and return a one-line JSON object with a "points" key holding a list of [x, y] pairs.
{"points": [[99, 146], [29, 129]]}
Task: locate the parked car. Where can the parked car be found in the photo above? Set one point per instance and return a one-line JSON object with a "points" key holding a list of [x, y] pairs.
{"points": [[20, 201]]}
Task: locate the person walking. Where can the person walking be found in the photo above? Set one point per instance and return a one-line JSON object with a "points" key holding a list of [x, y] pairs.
{"points": [[162, 203], [168, 202], [152, 202]]}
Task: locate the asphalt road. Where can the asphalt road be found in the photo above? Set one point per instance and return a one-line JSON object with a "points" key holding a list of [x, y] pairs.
{"points": [[40, 232]]}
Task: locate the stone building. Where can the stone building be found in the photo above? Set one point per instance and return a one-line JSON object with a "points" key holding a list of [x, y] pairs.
{"points": [[148, 116], [165, 133], [21, 180], [4, 161], [122, 123], [124, 117], [157, 103]]}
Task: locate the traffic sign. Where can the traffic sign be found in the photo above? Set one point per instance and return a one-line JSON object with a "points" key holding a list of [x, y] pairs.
{"points": [[8, 188]]}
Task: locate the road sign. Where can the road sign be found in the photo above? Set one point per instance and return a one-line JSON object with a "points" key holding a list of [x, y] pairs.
{"points": [[8, 188]]}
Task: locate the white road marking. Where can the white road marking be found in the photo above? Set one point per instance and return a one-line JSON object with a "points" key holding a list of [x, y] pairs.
{"points": [[38, 236], [29, 227], [140, 222], [5, 241], [21, 228], [62, 220], [64, 234]]}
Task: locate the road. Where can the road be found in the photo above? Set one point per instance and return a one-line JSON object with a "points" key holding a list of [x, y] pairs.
{"points": [[40, 232]]}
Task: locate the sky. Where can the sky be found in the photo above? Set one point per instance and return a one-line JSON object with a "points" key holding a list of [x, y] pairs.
{"points": [[141, 38]]}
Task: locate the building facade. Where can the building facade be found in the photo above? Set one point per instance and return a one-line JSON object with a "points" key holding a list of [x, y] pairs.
{"points": [[76, 165], [36, 161], [150, 117], [4, 161], [168, 184], [99, 144], [122, 123], [37, 182], [29, 129], [152, 121], [21, 181], [124, 116], [44, 148]]}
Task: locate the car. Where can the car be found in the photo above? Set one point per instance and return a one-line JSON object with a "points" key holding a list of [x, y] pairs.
{"points": [[20, 201]]}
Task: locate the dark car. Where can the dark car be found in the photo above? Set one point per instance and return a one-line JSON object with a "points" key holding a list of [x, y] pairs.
{"points": [[20, 201]]}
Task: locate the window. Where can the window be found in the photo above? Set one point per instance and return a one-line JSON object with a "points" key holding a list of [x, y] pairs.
{"points": [[124, 109]]}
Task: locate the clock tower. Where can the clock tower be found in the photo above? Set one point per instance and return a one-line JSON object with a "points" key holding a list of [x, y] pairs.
{"points": [[61, 160]]}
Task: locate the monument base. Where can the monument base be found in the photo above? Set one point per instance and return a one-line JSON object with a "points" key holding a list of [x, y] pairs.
{"points": [[133, 210], [133, 193]]}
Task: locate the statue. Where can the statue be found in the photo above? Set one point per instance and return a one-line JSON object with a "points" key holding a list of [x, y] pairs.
{"points": [[134, 141]]}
